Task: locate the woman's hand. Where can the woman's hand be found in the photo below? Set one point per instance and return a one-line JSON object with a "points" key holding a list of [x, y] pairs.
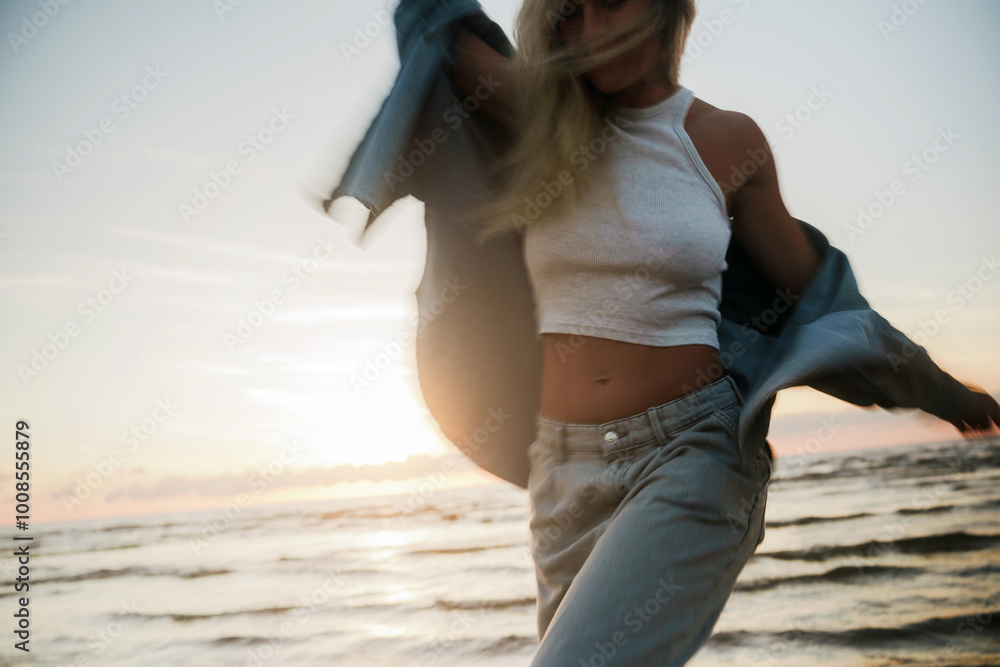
{"points": [[982, 417]]}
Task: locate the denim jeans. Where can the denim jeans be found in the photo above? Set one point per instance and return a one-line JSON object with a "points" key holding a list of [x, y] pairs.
{"points": [[640, 527]]}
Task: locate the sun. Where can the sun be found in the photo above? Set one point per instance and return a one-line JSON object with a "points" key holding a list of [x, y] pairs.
{"points": [[387, 424]]}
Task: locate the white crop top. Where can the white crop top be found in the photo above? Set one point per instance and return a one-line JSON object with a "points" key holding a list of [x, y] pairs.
{"points": [[641, 259]]}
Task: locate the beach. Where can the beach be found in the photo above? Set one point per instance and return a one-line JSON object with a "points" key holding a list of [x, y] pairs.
{"points": [[884, 556]]}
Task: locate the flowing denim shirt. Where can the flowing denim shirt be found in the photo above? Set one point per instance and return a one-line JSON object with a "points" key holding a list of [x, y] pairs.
{"points": [[479, 363]]}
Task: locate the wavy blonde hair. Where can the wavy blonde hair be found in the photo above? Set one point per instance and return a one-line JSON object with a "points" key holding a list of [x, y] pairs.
{"points": [[558, 111]]}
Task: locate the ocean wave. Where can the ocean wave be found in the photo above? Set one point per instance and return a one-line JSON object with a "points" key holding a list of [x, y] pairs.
{"points": [[119, 547], [362, 513], [254, 641], [186, 618], [135, 571], [950, 458], [805, 521], [928, 544], [463, 550], [486, 604], [47, 532], [509, 644], [839, 575], [905, 511], [978, 571], [930, 631], [195, 574], [937, 509]]}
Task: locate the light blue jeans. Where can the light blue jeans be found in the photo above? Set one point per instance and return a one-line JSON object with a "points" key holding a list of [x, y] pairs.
{"points": [[640, 527]]}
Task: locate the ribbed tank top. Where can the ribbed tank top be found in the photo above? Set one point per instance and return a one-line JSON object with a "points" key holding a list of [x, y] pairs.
{"points": [[641, 259]]}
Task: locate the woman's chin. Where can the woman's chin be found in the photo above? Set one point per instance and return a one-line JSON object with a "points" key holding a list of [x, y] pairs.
{"points": [[605, 83]]}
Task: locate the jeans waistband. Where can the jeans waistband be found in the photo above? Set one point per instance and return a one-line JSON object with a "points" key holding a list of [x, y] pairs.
{"points": [[653, 424]]}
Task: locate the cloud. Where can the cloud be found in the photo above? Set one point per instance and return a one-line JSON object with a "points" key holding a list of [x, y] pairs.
{"points": [[251, 482]]}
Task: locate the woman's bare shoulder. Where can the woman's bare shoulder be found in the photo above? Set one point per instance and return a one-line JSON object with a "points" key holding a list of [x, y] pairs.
{"points": [[735, 128], [726, 139]]}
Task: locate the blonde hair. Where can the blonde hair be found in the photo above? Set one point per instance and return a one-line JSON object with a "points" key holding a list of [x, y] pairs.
{"points": [[558, 111]]}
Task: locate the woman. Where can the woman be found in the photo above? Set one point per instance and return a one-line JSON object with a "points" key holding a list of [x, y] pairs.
{"points": [[644, 506]]}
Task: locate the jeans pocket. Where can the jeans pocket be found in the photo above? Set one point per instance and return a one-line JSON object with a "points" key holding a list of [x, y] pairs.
{"points": [[730, 419], [569, 505]]}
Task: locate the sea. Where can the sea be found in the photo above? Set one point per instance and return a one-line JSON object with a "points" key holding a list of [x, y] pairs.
{"points": [[886, 556]]}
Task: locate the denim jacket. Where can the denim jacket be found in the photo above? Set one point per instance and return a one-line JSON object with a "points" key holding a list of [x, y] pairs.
{"points": [[479, 362]]}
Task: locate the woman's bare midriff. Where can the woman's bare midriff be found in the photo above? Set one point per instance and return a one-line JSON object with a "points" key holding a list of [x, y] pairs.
{"points": [[589, 380]]}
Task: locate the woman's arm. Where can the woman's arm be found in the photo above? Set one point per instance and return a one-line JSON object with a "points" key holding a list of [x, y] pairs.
{"points": [[761, 223], [483, 73], [774, 239]]}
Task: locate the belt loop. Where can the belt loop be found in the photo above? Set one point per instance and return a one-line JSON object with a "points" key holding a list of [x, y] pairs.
{"points": [[654, 422], [560, 445], [736, 388]]}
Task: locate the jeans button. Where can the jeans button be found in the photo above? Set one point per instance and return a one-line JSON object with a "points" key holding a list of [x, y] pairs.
{"points": [[611, 437]]}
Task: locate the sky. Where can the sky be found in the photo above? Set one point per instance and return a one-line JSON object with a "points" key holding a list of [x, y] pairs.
{"points": [[184, 328]]}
